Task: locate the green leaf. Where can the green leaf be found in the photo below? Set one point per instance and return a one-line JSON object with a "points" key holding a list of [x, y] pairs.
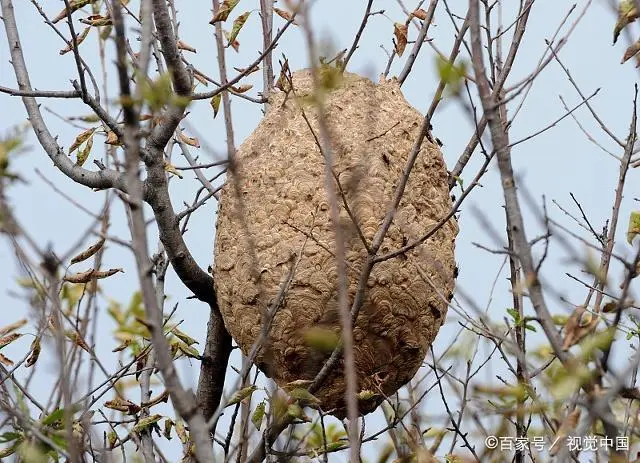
{"points": [[168, 425], [147, 422], [9, 436], [451, 74], [304, 397], [237, 26], [242, 394], [627, 13], [634, 226], [258, 415], [215, 104], [53, 417]]}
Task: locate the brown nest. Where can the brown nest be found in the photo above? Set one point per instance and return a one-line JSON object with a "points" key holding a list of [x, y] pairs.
{"points": [[280, 183]]}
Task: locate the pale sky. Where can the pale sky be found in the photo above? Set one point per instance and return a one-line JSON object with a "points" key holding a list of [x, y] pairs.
{"points": [[559, 161]]}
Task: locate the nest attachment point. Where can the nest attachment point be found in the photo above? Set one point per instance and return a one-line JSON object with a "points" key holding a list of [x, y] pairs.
{"points": [[279, 188]]}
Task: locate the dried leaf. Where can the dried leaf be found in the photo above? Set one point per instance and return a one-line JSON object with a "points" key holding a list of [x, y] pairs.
{"points": [[283, 81], [609, 307], [162, 398], [224, 10], [400, 31], [83, 154], [191, 141], [122, 405], [181, 432], [200, 78], [12, 327], [74, 5], [77, 339], [112, 139], [420, 14], [242, 88], [235, 44], [241, 395], [126, 343], [80, 139], [6, 361], [90, 251], [580, 324], [569, 423], [185, 46], [284, 15], [627, 13], [168, 167], [35, 352], [258, 415], [215, 104], [91, 274], [631, 51], [79, 39], [247, 71], [6, 340], [237, 26], [97, 20], [633, 229]]}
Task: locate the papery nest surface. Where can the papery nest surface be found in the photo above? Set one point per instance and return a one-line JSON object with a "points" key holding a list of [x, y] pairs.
{"points": [[278, 198]]}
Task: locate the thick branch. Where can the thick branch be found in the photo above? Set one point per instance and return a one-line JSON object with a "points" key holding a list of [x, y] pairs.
{"points": [[101, 179]]}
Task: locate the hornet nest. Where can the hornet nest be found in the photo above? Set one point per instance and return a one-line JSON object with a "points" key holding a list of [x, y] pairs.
{"points": [[281, 258]]}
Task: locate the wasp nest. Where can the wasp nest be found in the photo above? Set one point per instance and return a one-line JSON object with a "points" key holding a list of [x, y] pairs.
{"points": [[280, 191]]}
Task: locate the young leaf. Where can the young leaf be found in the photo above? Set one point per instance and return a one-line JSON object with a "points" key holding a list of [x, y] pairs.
{"points": [[241, 395], [627, 13], [634, 226], [400, 31], [188, 340], [147, 422], [215, 104], [304, 397], [168, 425], [237, 26], [258, 415]]}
